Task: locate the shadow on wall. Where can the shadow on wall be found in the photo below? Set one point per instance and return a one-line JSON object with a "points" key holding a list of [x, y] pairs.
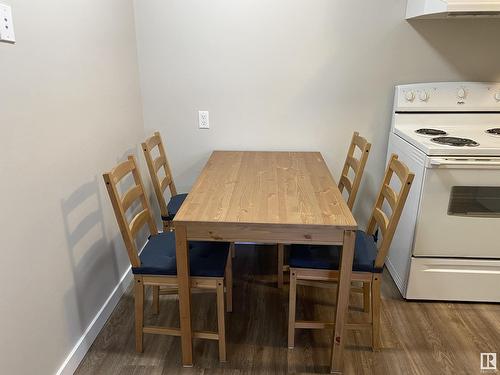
{"points": [[93, 261], [469, 45]]}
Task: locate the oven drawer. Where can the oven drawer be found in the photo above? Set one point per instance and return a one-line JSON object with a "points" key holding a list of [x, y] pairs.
{"points": [[454, 279]]}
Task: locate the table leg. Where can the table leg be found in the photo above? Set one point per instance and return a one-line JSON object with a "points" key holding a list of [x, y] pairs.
{"points": [[182, 257], [281, 262], [344, 286]]}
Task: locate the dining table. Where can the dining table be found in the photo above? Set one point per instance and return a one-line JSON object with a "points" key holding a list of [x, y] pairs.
{"points": [[281, 197]]}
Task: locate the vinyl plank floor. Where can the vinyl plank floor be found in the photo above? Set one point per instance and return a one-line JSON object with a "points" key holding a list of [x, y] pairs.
{"points": [[417, 337]]}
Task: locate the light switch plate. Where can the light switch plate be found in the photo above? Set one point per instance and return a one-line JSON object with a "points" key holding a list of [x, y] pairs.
{"points": [[6, 24], [203, 122]]}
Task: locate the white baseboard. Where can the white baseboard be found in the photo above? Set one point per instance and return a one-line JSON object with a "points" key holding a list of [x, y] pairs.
{"points": [[76, 355]]}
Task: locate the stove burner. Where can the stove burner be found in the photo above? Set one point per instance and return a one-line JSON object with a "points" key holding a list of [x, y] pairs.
{"points": [[494, 131], [433, 132], [454, 141]]}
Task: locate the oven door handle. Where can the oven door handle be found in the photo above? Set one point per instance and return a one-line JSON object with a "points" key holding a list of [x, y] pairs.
{"points": [[493, 163]]}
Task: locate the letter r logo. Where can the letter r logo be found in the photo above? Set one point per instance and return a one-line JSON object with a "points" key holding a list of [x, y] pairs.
{"points": [[488, 361]]}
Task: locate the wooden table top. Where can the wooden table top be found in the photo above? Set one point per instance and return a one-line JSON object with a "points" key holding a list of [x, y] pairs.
{"points": [[286, 188]]}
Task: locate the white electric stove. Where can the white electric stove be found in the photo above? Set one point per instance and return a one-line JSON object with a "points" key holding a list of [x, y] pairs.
{"points": [[447, 243]]}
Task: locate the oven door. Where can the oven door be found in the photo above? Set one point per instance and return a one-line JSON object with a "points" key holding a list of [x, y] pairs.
{"points": [[459, 211]]}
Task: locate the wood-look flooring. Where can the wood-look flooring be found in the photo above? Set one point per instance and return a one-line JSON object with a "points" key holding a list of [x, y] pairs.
{"points": [[417, 337]]}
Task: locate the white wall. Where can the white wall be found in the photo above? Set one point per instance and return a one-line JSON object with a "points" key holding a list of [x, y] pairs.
{"points": [[293, 74], [70, 108]]}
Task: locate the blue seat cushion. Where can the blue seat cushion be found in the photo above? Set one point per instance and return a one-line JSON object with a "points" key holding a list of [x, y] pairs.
{"points": [[327, 257], [174, 206], [205, 258]]}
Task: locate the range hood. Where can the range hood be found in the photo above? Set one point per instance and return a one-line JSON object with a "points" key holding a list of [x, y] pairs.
{"points": [[452, 8]]}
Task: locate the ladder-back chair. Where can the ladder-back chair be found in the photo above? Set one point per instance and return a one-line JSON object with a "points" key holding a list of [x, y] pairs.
{"points": [[161, 181], [316, 263], [357, 164], [156, 264]]}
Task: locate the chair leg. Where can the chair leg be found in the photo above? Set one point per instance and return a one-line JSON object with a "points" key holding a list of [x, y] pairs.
{"points": [[166, 226], [156, 299], [139, 313], [292, 308], [376, 312], [281, 263], [366, 297], [229, 283], [221, 321]]}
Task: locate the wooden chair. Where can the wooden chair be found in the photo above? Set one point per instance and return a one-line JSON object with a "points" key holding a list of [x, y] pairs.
{"points": [[357, 164], [160, 183], [156, 264], [318, 265]]}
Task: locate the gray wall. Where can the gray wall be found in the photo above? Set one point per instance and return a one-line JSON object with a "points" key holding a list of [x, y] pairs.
{"points": [[70, 108], [293, 74]]}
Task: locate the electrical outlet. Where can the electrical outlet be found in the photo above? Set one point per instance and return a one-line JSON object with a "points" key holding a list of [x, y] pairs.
{"points": [[6, 24], [203, 122]]}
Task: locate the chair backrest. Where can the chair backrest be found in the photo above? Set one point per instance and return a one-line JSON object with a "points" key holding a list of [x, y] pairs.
{"points": [[396, 201], [154, 166], [357, 165], [120, 204]]}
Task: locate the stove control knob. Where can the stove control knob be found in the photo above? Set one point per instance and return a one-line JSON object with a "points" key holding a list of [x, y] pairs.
{"points": [[497, 96], [423, 96], [461, 93], [409, 96]]}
